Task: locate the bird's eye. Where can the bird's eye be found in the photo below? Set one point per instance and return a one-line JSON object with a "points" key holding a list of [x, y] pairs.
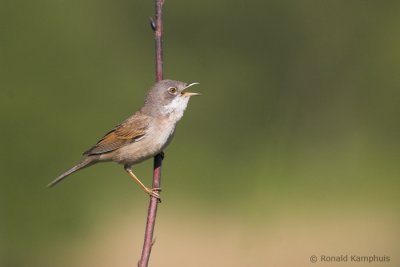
{"points": [[172, 90]]}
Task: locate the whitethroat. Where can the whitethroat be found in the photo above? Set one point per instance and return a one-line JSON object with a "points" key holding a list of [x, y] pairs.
{"points": [[143, 135]]}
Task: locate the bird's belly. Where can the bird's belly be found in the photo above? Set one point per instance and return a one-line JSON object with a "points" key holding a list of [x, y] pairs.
{"points": [[155, 141]]}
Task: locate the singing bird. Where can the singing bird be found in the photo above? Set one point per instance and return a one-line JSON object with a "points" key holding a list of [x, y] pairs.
{"points": [[143, 135]]}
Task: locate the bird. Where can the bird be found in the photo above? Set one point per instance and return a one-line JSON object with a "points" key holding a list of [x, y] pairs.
{"points": [[143, 135]]}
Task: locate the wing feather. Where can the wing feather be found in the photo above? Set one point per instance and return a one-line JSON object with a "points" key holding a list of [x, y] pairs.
{"points": [[131, 130]]}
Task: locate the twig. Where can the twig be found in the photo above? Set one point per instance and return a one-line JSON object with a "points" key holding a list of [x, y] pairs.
{"points": [[157, 27]]}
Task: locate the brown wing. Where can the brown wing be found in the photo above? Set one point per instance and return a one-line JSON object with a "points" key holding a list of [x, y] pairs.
{"points": [[127, 132]]}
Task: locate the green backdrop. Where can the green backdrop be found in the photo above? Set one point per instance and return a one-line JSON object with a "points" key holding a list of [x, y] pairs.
{"points": [[291, 151]]}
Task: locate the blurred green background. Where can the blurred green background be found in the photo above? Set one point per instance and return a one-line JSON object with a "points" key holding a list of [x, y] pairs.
{"points": [[291, 151]]}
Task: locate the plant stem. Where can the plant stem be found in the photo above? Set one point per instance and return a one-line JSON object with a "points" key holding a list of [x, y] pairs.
{"points": [[158, 34], [152, 210]]}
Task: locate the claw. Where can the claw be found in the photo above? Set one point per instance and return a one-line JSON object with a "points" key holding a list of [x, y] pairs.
{"points": [[154, 192]]}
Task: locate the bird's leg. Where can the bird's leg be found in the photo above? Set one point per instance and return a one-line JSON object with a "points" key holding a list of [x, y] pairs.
{"points": [[152, 192]]}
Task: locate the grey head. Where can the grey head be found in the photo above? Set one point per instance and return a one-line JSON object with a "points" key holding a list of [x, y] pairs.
{"points": [[168, 98]]}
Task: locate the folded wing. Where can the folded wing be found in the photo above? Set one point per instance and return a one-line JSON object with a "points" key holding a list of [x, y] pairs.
{"points": [[131, 130]]}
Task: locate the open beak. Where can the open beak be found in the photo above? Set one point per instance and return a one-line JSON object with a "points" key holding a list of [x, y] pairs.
{"points": [[189, 93]]}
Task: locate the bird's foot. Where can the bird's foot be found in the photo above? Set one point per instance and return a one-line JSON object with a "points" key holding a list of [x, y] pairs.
{"points": [[154, 192]]}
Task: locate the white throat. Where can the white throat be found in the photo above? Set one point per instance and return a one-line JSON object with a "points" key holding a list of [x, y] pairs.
{"points": [[176, 108]]}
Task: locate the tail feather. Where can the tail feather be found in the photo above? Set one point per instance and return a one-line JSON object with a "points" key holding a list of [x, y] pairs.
{"points": [[83, 164]]}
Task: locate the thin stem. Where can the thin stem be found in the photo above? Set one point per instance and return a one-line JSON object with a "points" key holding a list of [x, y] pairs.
{"points": [[158, 34], [152, 210]]}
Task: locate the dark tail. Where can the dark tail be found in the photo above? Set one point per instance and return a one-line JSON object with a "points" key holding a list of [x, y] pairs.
{"points": [[83, 164]]}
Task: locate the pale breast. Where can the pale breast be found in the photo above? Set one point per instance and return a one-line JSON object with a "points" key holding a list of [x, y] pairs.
{"points": [[157, 137]]}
